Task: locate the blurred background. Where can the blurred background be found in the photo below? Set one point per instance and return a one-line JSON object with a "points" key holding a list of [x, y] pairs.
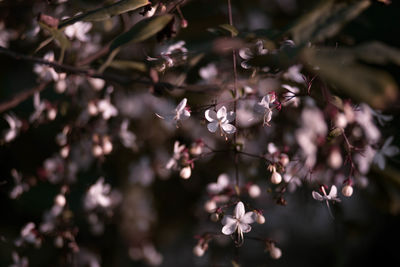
{"points": [[161, 209]]}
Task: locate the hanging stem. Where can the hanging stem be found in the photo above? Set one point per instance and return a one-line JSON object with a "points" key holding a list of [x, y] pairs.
{"points": [[236, 94]]}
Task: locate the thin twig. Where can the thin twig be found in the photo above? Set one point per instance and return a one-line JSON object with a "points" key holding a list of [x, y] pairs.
{"points": [[21, 97], [236, 157]]}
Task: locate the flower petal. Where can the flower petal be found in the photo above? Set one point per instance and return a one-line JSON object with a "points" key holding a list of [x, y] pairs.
{"points": [[212, 126], [229, 228], [248, 218], [333, 192], [210, 115], [317, 196], [223, 180], [239, 210], [221, 113], [245, 227], [228, 128], [181, 105]]}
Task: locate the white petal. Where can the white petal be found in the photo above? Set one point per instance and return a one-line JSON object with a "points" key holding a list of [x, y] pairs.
{"points": [[210, 115], [380, 161], [228, 128], [212, 126], [213, 188], [223, 180], [229, 228], [245, 227], [248, 218], [333, 192], [317, 196], [161, 117], [221, 113], [181, 105], [245, 53], [239, 210], [228, 220]]}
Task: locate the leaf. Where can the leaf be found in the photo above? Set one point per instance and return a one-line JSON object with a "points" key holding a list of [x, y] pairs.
{"points": [[106, 12], [224, 30], [56, 34], [378, 53], [129, 65], [325, 20], [142, 30], [342, 68]]}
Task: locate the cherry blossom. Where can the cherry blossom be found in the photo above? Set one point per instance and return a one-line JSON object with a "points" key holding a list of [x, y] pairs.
{"points": [[220, 119], [15, 126], [180, 113], [247, 54], [325, 197], [220, 185], [173, 162], [265, 106], [79, 30], [98, 195], [46, 73], [239, 222]]}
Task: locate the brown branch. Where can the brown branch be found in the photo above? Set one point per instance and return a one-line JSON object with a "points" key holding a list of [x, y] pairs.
{"points": [[21, 97]]}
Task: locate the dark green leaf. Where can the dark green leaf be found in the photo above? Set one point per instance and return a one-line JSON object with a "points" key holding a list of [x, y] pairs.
{"points": [[142, 30], [342, 68], [106, 12], [326, 20]]}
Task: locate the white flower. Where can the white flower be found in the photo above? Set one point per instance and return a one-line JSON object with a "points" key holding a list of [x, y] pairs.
{"points": [[107, 109], [247, 54], [363, 116], [294, 74], [208, 72], [265, 105], [387, 150], [127, 137], [221, 120], [39, 106], [331, 197], [46, 73], [98, 195], [220, 185], [239, 222], [79, 31], [173, 162], [19, 261], [15, 125], [180, 113]]}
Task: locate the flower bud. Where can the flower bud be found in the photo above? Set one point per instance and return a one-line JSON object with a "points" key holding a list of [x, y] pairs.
{"points": [[260, 219], [60, 200], [64, 152], [210, 206], [198, 250], [92, 109], [254, 191], [335, 159], [340, 120], [107, 145], [284, 160], [275, 252], [214, 217], [51, 114], [97, 151], [276, 178], [186, 172], [347, 190], [184, 23]]}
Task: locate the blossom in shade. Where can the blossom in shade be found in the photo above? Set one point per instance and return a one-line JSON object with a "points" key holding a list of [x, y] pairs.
{"points": [[238, 223], [220, 119]]}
